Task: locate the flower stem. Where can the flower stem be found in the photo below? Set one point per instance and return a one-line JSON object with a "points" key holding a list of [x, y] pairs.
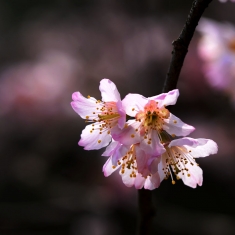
{"points": [[180, 49], [180, 45], [146, 212]]}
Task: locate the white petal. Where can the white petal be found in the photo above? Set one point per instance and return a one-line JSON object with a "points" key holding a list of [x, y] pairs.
{"points": [[161, 165], [133, 103], [166, 99], [94, 140], [109, 91], [108, 168], [174, 126], [194, 178], [197, 147], [152, 182], [127, 180], [84, 106]]}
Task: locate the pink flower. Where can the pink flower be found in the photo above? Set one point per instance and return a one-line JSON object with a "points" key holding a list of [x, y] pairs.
{"points": [[179, 160], [151, 120], [136, 167], [217, 49], [105, 115]]}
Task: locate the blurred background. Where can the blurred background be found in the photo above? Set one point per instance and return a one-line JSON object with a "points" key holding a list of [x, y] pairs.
{"points": [[50, 49]]}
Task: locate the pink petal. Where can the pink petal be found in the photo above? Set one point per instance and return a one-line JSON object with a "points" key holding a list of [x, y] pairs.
{"points": [[126, 179], [195, 177], [84, 106], [155, 148], [122, 113], [139, 181], [153, 164], [91, 140], [141, 160], [119, 152], [110, 149], [109, 91], [197, 147], [108, 168], [161, 173], [152, 182], [166, 99], [133, 103], [174, 126], [128, 135]]}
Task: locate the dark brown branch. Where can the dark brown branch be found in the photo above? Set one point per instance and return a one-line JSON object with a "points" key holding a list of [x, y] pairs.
{"points": [[146, 211], [180, 49], [180, 46]]}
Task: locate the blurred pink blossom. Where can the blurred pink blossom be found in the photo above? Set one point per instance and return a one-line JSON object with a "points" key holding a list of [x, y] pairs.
{"points": [[36, 87], [226, 1], [217, 50]]}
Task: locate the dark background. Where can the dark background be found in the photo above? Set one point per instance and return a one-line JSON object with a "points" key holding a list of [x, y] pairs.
{"points": [[50, 185]]}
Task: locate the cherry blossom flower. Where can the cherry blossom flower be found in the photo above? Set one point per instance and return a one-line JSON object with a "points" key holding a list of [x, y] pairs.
{"points": [[105, 115], [151, 119], [179, 160], [217, 50], [136, 167]]}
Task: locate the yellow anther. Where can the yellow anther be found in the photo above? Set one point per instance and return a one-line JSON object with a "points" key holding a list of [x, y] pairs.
{"points": [[99, 141], [173, 182]]}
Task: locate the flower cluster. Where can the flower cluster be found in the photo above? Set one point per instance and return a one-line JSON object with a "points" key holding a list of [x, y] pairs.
{"points": [[217, 50], [148, 147]]}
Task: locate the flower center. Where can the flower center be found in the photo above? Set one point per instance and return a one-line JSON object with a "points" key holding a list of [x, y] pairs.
{"points": [[153, 117], [176, 161], [106, 116], [108, 113], [128, 162]]}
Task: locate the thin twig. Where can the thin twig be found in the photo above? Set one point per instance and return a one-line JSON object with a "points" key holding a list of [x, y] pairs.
{"points": [[180, 49], [180, 46], [146, 211]]}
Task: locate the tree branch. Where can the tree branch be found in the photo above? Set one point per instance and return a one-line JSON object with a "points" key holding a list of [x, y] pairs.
{"points": [[180, 49], [146, 211], [180, 46]]}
